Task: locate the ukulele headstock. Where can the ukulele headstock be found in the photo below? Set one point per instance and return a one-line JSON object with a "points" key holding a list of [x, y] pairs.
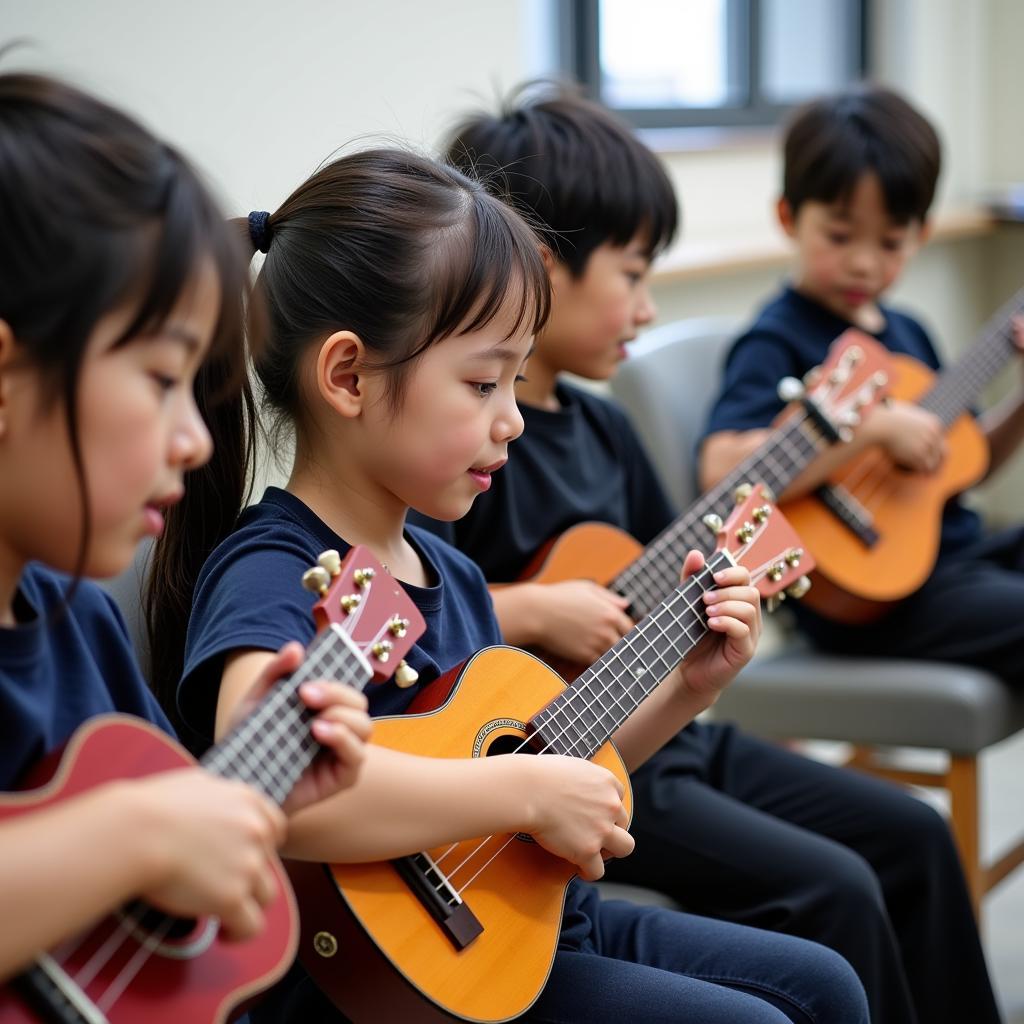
{"points": [[358, 594], [854, 378], [757, 535]]}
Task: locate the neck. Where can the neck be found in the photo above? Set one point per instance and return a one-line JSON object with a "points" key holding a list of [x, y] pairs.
{"points": [[538, 389], [11, 568], [358, 510]]}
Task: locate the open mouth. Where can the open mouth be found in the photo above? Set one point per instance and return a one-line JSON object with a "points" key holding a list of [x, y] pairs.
{"points": [[482, 476]]}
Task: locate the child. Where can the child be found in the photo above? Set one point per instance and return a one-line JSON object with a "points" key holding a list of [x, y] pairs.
{"points": [[117, 280], [860, 174], [403, 300], [727, 825]]}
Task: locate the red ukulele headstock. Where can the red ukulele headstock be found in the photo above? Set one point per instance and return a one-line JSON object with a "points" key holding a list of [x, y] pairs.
{"points": [[853, 379], [358, 595], [758, 536]]}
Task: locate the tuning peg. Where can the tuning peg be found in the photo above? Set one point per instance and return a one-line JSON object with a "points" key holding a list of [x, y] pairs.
{"points": [[742, 492], [316, 579], [799, 588], [879, 379], [330, 560], [768, 494], [349, 602], [363, 576], [745, 533], [774, 572], [853, 355], [382, 650], [405, 674], [790, 389], [761, 513], [713, 522], [399, 627], [793, 557], [771, 604], [850, 418]]}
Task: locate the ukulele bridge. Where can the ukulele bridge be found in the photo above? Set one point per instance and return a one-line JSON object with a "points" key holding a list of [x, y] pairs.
{"points": [[849, 511], [437, 894]]}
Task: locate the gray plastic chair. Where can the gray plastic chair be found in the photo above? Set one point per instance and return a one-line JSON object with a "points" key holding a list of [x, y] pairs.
{"points": [[667, 385]]}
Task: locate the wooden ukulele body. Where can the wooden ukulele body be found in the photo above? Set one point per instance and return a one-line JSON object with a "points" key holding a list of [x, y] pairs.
{"points": [[856, 583], [199, 977], [478, 710]]}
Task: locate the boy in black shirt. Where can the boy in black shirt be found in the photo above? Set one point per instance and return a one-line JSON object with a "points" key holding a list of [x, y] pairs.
{"points": [[729, 826], [859, 176]]}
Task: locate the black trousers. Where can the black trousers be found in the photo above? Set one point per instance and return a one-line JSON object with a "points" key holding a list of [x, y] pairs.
{"points": [[736, 828], [970, 610]]}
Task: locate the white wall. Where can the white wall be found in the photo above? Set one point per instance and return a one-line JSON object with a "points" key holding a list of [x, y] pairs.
{"points": [[260, 91]]}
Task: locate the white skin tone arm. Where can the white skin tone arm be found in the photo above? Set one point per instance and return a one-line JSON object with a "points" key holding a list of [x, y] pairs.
{"points": [[402, 802]]}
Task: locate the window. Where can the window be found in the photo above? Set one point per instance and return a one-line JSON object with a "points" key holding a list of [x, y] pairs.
{"points": [[680, 63]]}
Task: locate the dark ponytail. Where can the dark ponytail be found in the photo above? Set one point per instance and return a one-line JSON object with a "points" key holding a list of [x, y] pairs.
{"points": [[399, 249]]}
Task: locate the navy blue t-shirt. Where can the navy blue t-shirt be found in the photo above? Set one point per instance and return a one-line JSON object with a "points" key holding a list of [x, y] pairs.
{"points": [[249, 595], [792, 334], [580, 463], [61, 665]]}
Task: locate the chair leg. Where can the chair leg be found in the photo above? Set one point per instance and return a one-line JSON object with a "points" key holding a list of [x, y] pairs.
{"points": [[962, 783]]}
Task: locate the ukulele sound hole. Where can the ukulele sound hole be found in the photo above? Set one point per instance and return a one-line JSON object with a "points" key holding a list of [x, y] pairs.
{"points": [[508, 744]]}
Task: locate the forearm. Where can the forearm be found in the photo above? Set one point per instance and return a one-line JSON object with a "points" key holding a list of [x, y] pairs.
{"points": [[40, 891], [516, 606], [1003, 426], [403, 803], [668, 709]]}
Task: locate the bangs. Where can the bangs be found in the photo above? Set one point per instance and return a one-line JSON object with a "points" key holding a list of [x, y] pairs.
{"points": [[488, 265]]}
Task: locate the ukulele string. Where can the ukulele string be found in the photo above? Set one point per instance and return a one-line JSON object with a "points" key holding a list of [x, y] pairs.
{"points": [[760, 571], [584, 693], [510, 839]]}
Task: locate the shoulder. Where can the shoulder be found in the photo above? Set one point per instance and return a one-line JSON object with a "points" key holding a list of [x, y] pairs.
{"points": [[91, 607]]}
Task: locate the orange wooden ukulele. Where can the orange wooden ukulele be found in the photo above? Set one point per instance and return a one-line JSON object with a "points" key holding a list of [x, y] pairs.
{"points": [[874, 529], [139, 964], [850, 382], [470, 930]]}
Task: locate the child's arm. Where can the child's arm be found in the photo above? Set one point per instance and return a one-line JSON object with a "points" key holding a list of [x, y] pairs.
{"points": [[1004, 424], [185, 841], [734, 610], [403, 803], [912, 437], [576, 619]]}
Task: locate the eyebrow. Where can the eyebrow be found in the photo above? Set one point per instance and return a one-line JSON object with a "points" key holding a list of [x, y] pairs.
{"points": [[174, 332], [506, 355]]}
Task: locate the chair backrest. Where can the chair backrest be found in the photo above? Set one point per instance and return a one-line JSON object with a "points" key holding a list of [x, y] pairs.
{"points": [[667, 385]]}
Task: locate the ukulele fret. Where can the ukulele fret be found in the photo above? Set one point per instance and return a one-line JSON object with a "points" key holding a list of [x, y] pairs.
{"points": [[628, 673]]}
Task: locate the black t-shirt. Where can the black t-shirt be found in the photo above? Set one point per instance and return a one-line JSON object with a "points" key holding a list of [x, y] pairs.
{"points": [[581, 463]]}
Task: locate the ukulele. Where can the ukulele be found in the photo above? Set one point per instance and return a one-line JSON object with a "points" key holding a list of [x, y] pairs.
{"points": [[139, 964], [470, 930], [875, 528], [823, 412]]}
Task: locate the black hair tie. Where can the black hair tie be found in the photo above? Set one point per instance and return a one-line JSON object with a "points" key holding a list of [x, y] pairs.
{"points": [[259, 229]]}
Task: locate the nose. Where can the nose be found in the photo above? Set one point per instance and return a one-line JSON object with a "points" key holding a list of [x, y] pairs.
{"points": [[646, 310], [862, 260], [191, 443], [508, 424]]}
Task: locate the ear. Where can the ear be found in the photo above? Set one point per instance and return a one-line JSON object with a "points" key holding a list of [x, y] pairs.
{"points": [[8, 353], [558, 272], [337, 373], [924, 233], [786, 217]]}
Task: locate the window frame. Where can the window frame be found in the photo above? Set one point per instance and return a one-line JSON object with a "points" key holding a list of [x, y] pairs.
{"points": [[580, 55]]}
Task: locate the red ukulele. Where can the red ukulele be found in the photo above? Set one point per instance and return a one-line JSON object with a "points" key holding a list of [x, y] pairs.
{"points": [[139, 965], [470, 930]]}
